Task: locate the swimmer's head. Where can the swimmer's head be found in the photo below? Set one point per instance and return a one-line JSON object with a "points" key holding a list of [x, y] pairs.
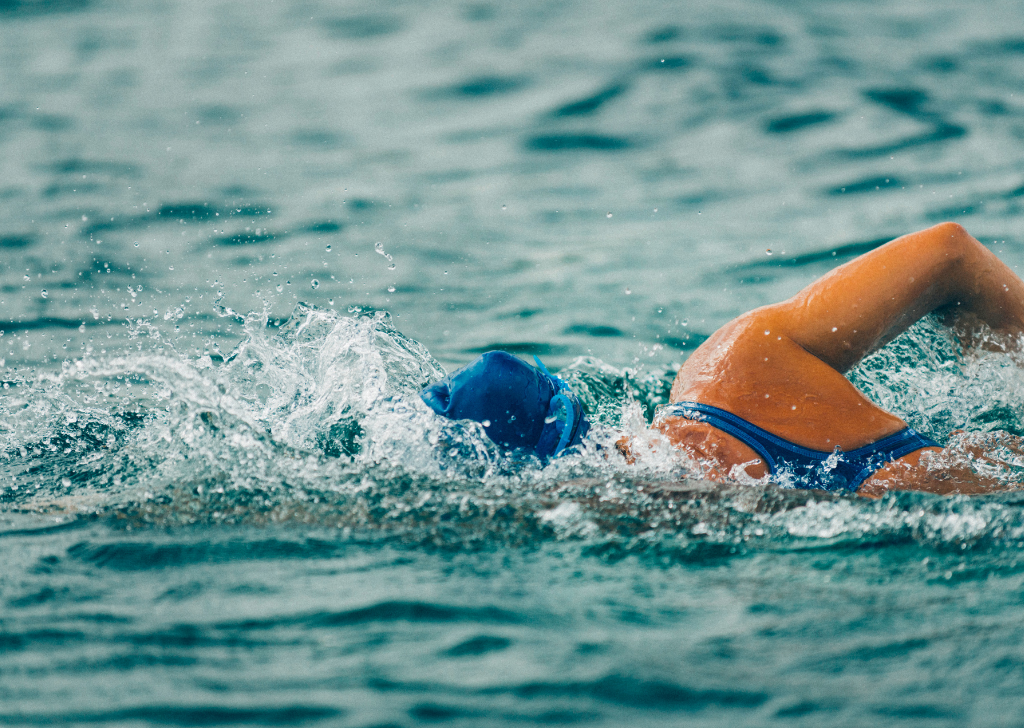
{"points": [[520, 406]]}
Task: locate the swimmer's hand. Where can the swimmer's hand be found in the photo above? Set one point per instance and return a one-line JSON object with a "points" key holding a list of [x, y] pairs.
{"points": [[625, 446]]}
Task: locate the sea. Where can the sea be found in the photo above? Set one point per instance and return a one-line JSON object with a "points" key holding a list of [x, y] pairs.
{"points": [[238, 238]]}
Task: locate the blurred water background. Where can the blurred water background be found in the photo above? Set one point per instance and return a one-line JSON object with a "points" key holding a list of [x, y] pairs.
{"points": [[236, 239]]}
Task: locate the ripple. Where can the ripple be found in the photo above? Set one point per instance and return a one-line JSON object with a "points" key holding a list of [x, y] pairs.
{"points": [[577, 142], [632, 691], [362, 27], [16, 241], [486, 86], [192, 715], [797, 122], [591, 104], [870, 184]]}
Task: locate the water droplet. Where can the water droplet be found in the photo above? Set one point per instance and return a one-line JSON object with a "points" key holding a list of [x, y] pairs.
{"points": [[328, 248], [44, 294], [330, 301], [608, 215], [504, 207], [314, 284], [391, 289], [391, 267], [629, 291], [136, 243], [279, 288], [28, 277], [767, 251]]}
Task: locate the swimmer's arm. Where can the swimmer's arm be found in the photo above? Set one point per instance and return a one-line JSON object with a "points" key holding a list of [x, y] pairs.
{"points": [[862, 305], [934, 470]]}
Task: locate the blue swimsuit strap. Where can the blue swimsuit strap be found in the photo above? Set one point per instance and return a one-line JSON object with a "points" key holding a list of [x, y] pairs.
{"points": [[889, 448], [573, 407]]}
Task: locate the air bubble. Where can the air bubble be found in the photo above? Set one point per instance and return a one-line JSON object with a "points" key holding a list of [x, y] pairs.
{"points": [[44, 294], [608, 215], [314, 284], [391, 289], [629, 291], [767, 251], [328, 248]]}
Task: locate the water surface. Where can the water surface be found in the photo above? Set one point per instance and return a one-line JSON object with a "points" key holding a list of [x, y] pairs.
{"points": [[237, 239]]}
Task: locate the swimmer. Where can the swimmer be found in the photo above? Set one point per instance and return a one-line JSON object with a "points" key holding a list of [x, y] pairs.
{"points": [[767, 393]]}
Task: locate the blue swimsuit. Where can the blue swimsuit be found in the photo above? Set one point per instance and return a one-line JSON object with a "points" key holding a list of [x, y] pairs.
{"points": [[799, 466]]}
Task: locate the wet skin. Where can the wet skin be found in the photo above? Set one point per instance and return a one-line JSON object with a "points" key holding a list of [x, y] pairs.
{"points": [[781, 366]]}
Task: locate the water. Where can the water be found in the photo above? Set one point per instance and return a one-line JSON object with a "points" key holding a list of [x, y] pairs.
{"points": [[238, 238]]}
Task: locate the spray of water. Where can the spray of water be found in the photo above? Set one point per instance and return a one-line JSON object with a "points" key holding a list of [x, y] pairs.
{"points": [[320, 422]]}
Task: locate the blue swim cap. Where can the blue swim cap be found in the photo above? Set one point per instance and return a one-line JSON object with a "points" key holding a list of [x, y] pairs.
{"points": [[520, 406]]}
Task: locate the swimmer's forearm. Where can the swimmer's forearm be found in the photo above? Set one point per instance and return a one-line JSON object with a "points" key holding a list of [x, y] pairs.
{"points": [[867, 302], [958, 482]]}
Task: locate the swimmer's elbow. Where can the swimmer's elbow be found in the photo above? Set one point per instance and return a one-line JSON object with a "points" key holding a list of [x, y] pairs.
{"points": [[951, 230], [951, 239]]}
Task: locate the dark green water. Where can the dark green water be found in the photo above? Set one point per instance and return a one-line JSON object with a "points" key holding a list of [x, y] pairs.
{"points": [[236, 239]]}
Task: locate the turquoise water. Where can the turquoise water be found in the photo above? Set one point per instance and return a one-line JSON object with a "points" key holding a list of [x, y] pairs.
{"points": [[237, 239]]}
